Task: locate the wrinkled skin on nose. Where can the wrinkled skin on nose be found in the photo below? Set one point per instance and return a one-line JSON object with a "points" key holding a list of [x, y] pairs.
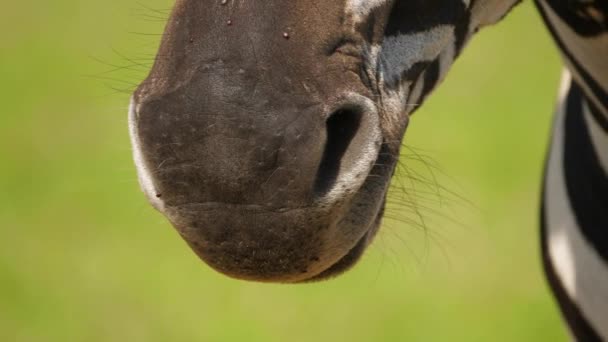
{"points": [[258, 134]]}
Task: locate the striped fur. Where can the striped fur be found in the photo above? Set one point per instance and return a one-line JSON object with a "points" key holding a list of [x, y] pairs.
{"points": [[574, 220], [422, 40]]}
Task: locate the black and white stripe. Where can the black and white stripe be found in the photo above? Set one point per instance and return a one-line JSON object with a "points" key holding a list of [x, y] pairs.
{"points": [[574, 221], [421, 40], [574, 217]]}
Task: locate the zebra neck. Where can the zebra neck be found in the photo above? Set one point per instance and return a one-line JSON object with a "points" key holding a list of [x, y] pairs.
{"points": [[575, 215], [575, 197], [580, 29]]}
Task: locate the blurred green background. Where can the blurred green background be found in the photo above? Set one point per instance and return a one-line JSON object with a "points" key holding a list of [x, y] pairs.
{"points": [[83, 257]]}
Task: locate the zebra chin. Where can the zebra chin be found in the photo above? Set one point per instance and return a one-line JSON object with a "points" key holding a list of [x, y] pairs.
{"points": [[256, 244]]}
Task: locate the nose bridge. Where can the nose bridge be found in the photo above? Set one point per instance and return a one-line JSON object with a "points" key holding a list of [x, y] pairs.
{"points": [[280, 44]]}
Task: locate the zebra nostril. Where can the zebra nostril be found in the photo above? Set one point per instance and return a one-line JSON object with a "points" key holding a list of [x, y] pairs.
{"points": [[341, 127], [352, 142]]}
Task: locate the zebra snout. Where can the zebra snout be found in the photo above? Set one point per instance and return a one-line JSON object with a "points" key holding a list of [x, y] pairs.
{"points": [[268, 196], [281, 159]]}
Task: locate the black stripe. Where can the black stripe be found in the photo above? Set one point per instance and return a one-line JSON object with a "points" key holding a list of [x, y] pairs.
{"points": [[600, 118], [595, 88], [413, 16], [579, 15], [461, 32], [431, 77], [580, 328], [412, 73], [586, 181]]}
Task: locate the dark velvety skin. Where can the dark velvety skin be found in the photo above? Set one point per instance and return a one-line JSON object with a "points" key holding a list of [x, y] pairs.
{"points": [[233, 122], [270, 132]]}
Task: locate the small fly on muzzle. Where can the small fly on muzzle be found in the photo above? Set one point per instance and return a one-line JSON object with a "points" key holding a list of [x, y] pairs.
{"points": [[267, 131]]}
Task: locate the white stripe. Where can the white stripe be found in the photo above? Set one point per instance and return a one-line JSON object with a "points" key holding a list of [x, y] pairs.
{"points": [[360, 9], [401, 52], [144, 175], [416, 94], [446, 59], [581, 271]]}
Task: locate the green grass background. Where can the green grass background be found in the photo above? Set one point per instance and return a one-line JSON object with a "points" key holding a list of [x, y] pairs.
{"points": [[83, 257]]}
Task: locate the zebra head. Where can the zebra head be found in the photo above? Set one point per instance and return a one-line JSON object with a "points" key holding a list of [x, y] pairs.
{"points": [[267, 131]]}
